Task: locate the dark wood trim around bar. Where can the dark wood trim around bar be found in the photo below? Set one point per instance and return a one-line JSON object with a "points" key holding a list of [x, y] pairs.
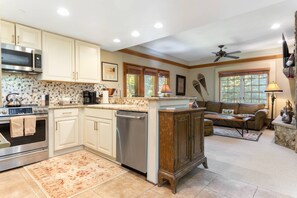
{"points": [[142, 55], [246, 60]]}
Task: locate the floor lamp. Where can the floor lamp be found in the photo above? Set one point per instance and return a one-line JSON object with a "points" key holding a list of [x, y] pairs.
{"points": [[272, 88]]}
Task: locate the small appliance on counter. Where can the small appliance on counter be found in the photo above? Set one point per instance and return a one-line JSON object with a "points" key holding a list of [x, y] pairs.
{"points": [[13, 101], [89, 97]]}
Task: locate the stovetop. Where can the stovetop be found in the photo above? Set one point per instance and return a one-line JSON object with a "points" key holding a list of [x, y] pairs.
{"points": [[23, 110]]}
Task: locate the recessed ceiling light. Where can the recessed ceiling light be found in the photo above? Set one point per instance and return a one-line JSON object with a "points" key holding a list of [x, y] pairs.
{"points": [[116, 40], [275, 26], [63, 12], [158, 25], [135, 34]]}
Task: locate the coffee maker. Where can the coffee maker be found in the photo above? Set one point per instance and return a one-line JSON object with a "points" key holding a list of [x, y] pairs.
{"points": [[89, 97]]}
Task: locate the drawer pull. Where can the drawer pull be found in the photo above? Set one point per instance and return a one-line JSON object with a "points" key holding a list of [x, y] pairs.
{"points": [[66, 113], [18, 39]]}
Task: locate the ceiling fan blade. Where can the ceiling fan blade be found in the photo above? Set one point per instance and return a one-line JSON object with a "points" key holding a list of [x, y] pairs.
{"points": [[217, 59], [214, 52], [234, 57], [235, 52]]}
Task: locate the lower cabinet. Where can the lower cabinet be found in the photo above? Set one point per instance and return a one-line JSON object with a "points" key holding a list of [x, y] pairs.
{"points": [[98, 130], [66, 129], [181, 144]]}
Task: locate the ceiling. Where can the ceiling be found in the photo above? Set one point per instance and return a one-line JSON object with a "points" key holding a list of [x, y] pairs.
{"points": [[247, 32], [192, 28]]}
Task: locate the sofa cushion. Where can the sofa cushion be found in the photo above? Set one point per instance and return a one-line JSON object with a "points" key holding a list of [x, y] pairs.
{"points": [[233, 106], [213, 106], [201, 103], [250, 108]]}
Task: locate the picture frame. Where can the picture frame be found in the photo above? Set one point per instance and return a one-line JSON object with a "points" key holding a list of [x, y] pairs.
{"points": [[109, 71], [180, 85]]}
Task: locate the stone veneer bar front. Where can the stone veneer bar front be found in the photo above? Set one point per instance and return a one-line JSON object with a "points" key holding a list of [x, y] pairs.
{"points": [[285, 134]]}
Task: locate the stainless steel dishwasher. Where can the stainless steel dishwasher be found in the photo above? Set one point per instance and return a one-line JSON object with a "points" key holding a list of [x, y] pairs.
{"points": [[132, 139]]}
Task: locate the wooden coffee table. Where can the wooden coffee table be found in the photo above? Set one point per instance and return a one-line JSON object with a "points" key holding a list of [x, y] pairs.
{"points": [[242, 121]]}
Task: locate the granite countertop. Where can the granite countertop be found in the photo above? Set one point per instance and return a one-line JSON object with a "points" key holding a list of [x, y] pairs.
{"points": [[278, 121], [102, 106]]}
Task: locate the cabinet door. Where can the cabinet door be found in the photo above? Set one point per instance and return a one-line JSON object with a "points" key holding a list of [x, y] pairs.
{"points": [[28, 37], [7, 32], [90, 133], [66, 132], [87, 62], [58, 58], [182, 140], [197, 134], [104, 126]]}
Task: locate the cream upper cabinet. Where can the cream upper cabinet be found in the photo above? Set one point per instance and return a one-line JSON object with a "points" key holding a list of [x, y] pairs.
{"points": [[58, 58], [7, 32], [87, 62], [16, 34]]}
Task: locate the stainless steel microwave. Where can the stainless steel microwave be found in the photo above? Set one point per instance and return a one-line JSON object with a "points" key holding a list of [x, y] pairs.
{"points": [[21, 59]]}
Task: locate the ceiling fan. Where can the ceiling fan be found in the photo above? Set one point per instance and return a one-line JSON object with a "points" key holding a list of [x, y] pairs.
{"points": [[222, 53]]}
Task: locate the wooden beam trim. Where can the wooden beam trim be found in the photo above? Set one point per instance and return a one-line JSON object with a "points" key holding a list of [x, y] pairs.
{"points": [[142, 55], [246, 60]]}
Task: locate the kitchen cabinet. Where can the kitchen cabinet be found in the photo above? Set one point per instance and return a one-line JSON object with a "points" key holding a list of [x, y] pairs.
{"points": [[68, 60], [58, 58], [181, 144], [20, 35], [99, 131], [66, 128], [87, 62]]}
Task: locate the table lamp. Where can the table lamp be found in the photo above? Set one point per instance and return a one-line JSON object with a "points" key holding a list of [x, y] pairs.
{"points": [[272, 88], [166, 90]]}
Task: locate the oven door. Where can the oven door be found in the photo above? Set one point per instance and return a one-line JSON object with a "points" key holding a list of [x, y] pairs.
{"points": [[9, 145]]}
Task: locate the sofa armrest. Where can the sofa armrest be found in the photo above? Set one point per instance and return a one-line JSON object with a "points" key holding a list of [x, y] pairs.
{"points": [[260, 118], [261, 113]]}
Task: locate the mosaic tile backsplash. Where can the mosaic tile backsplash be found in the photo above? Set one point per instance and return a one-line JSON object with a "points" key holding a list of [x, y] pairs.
{"points": [[30, 89]]}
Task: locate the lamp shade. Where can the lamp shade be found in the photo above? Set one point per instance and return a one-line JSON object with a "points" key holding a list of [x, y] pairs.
{"points": [[166, 89], [273, 87]]}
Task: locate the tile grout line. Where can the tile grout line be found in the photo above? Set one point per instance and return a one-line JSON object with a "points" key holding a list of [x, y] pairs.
{"points": [[255, 192]]}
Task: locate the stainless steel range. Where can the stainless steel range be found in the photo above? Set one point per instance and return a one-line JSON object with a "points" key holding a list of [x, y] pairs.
{"points": [[25, 148]]}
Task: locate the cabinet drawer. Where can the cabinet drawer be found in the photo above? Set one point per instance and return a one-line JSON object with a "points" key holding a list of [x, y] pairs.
{"points": [[65, 112], [99, 113]]}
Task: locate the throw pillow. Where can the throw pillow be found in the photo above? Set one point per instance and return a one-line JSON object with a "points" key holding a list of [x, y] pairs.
{"points": [[228, 111]]}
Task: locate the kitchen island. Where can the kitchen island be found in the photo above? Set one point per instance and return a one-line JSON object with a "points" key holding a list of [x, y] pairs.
{"points": [[151, 105]]}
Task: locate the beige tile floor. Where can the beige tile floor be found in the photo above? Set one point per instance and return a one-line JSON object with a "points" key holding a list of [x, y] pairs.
{"points": [[198, 183]]}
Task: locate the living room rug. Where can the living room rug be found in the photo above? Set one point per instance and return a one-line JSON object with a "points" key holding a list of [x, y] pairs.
{"points": [[73, 173], [231, 132]]}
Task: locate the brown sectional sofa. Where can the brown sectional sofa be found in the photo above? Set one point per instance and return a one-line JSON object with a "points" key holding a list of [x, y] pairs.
{"points": [[257, 112]]}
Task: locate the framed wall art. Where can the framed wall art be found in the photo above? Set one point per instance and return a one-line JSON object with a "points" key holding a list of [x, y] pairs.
{"points": [[180, 85], [109, 71]]}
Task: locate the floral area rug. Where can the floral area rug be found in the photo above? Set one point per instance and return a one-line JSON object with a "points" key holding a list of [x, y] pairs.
{"points": [[73, 173], [231, 132]]}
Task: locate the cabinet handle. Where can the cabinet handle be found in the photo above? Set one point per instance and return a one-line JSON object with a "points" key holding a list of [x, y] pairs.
{"points": [[13, 38], [18, 39], [56, 126], [66, 113], [95, 126]]}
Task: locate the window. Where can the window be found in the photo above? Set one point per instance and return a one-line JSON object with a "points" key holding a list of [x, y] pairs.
{"points": [[244, 86], [143, 81]]}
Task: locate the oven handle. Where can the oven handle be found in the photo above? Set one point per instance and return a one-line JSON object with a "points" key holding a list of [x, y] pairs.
{"points": [[6, 120]]}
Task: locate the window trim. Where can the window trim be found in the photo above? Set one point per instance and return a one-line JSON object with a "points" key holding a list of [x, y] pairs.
{"points": [[242, 73], [142, 69]]}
